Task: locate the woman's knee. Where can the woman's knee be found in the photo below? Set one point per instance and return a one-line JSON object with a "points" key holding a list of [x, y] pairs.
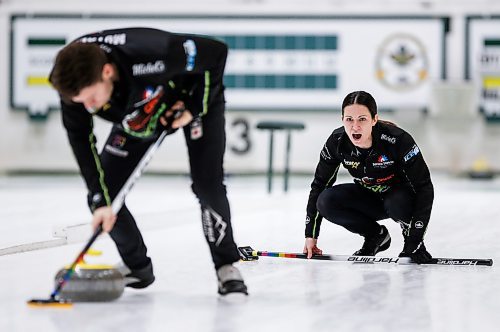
{"points": [[328, 202], [400, 205], [323, 202]]}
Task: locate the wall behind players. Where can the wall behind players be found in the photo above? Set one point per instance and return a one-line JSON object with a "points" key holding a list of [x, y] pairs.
{"points": [[288, 60]]}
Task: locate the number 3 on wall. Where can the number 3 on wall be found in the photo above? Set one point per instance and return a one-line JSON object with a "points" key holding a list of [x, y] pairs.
{"points": [[243, 136]]}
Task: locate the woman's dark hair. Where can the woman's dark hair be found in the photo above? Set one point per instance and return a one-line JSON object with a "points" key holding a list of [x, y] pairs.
{"points": [[77, 65], [360, 98]]}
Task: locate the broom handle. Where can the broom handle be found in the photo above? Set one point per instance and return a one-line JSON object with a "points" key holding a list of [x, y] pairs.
{"points": [[116, 205]]}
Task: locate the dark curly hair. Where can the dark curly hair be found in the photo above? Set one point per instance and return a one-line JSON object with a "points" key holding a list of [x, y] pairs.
{"points": [[77, 66]]}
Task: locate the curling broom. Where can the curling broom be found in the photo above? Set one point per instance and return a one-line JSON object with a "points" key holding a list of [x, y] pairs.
{"points": [[249, 254], [54, 300]]}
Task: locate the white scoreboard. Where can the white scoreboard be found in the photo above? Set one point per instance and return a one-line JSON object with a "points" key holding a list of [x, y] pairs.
{"points": [[285, 63]]}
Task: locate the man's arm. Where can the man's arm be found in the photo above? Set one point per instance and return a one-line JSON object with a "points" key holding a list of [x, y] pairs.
{"points": [[79, 126]]}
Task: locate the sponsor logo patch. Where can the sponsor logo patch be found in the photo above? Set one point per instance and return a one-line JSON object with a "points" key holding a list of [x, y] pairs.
{"points": [[118, 141], [382, 158], [140, 69], [325, 153], [419, 224], [412, 153], [351, 164], [196, 129], [139, 119], [96, 198], [190, 50], [387, 178], [378, 188], [115, 39], [387, 138], [105, 48], [382, 162]]}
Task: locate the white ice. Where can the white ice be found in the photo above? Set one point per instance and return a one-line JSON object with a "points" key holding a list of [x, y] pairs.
{"points": [[285, 294]]}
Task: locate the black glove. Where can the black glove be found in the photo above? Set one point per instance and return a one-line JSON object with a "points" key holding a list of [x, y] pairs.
{"points": [[413, 233], [415, 249]]}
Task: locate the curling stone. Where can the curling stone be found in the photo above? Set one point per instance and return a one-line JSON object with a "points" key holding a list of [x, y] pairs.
{"points": [[92, 283], [481, 170]]}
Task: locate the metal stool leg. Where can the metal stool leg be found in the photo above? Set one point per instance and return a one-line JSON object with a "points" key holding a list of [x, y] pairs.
{"points": [[287, 160], [279, 125], [270, 168]]}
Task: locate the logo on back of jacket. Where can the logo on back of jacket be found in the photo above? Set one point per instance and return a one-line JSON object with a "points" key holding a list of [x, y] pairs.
{"points": [[112, 39], [149, 68]]}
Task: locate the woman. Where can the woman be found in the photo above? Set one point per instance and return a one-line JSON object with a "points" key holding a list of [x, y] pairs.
{"points": [[391, 180]]}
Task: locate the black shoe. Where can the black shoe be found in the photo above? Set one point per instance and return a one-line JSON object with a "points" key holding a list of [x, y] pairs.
{"points": [[140, 278], [375, 244], [230, 281]]}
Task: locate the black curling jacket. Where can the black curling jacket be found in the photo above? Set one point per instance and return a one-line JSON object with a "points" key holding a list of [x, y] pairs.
{"points": [[395, 160], [156, 68]]}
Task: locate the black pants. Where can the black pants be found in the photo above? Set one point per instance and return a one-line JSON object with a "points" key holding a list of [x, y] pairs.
{"points": [[122, 153], [358, 209]]}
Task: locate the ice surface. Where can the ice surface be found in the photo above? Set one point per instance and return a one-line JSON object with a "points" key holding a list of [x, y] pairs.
{"points": [[285, 294]]}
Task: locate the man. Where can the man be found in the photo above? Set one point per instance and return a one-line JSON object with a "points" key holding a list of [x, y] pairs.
{"points": [[138, 78]]}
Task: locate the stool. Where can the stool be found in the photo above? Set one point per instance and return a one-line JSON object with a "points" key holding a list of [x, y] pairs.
{"points": [[279, 125]]}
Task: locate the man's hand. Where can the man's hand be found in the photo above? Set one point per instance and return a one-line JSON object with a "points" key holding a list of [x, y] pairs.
{"points": [[183, 119], [310, 247], [105, 216]]}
